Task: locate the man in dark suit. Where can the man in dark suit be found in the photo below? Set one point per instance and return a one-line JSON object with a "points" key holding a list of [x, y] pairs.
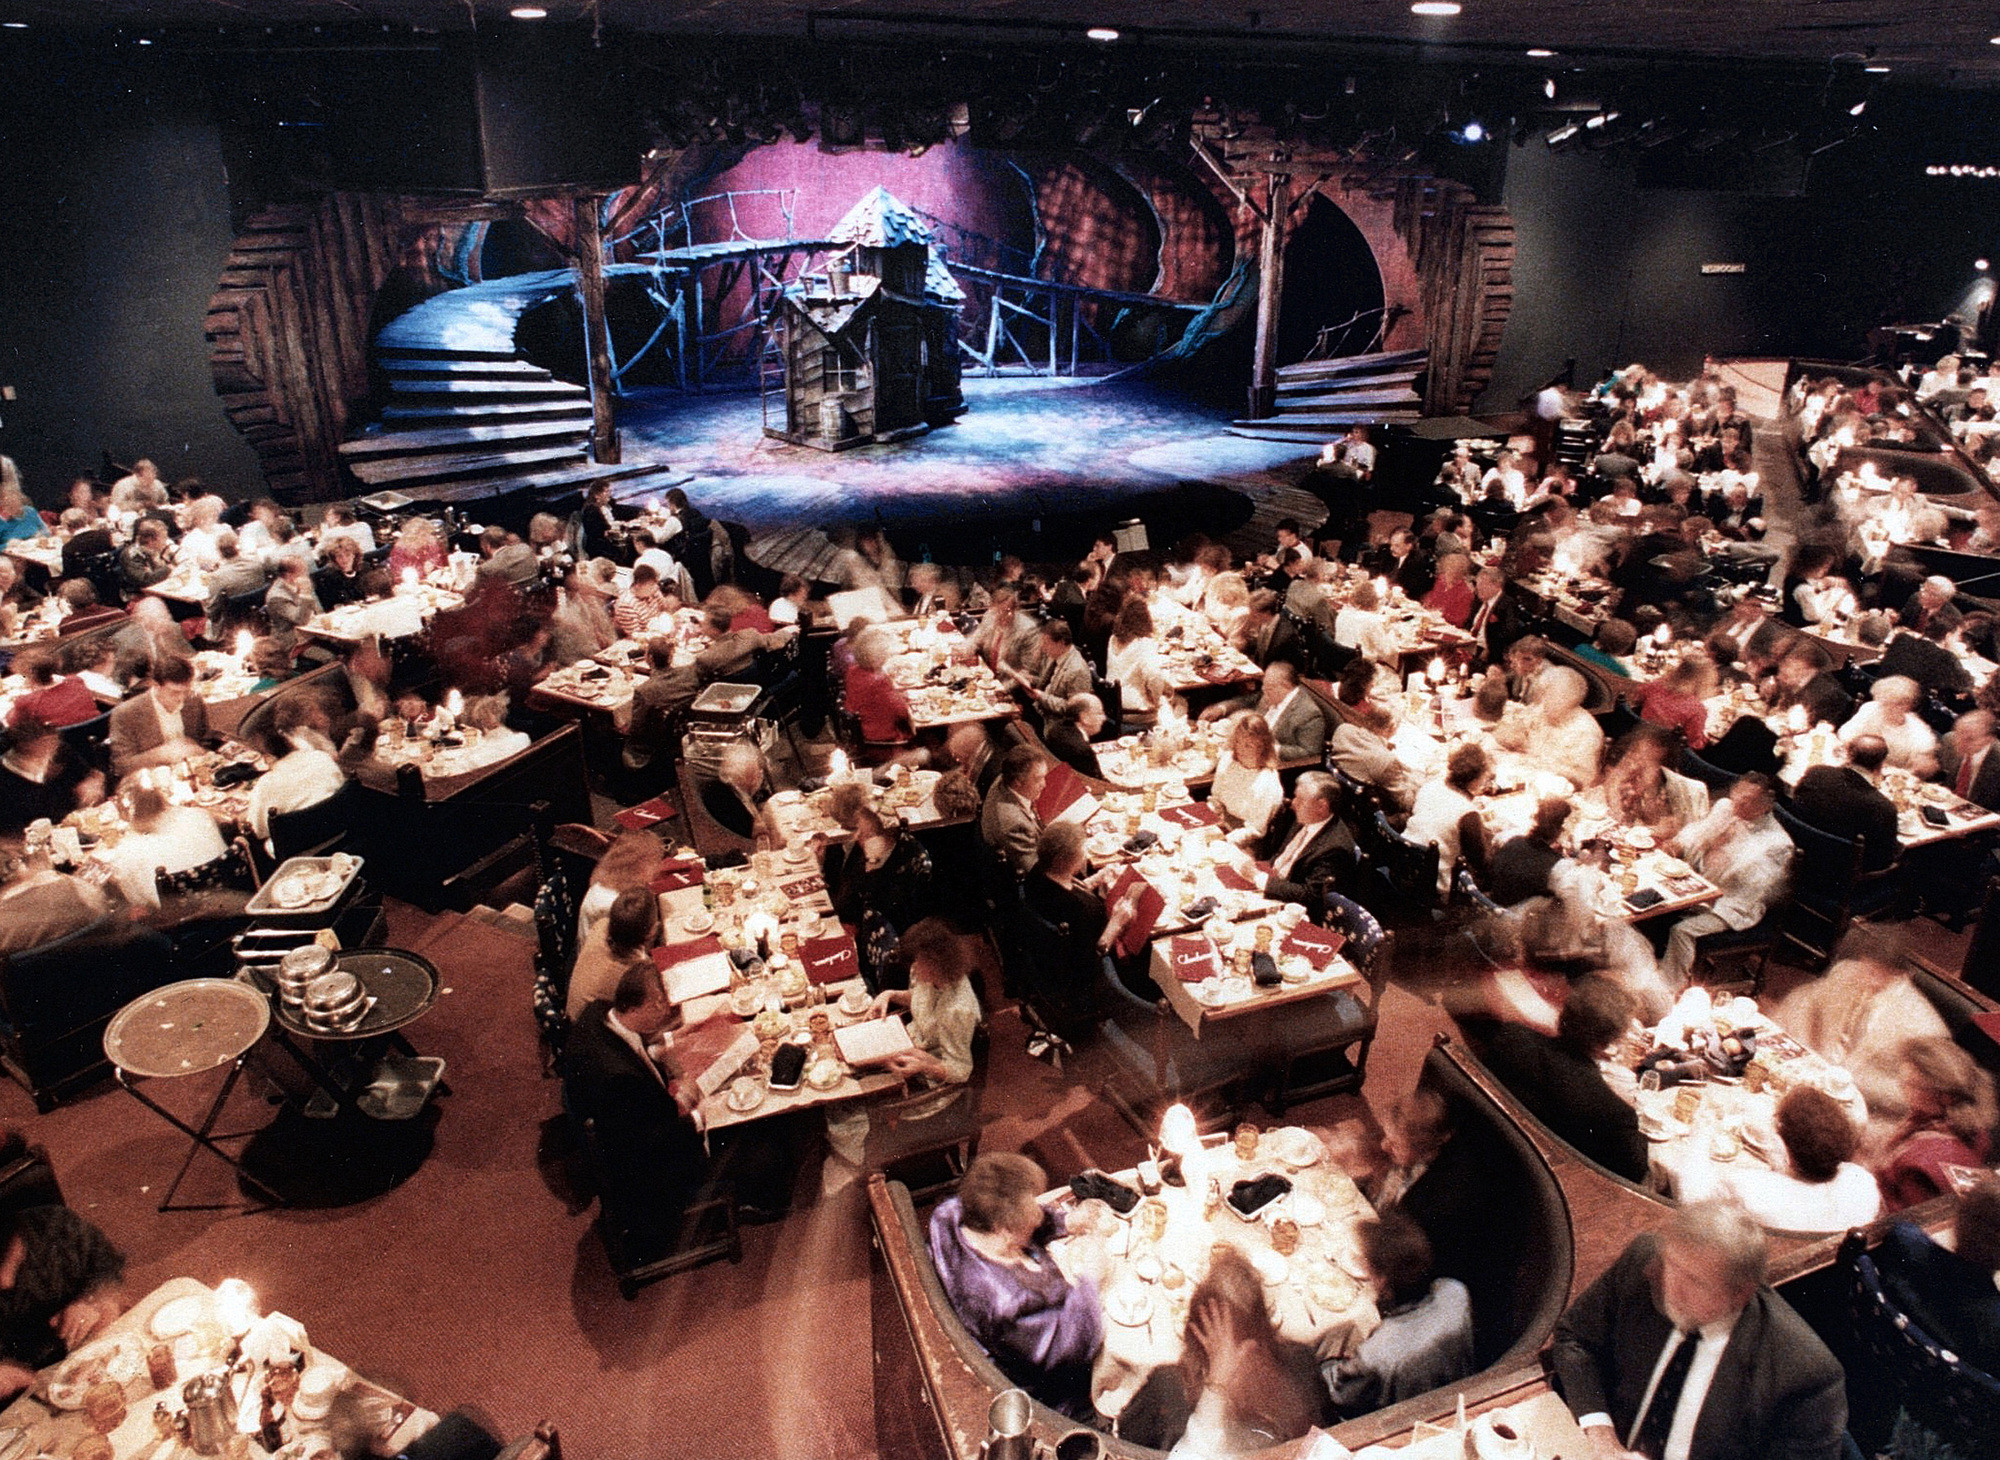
{"points": [[1966, 761], [1307, 844], [1266, 634], [1679, 1352], [1558, 1079], [652, 1153], [1949, 1291], [1924, 657], [1843, 799], [1496, 622], [1439, 1177], [1068, 735], [1404, 563]]}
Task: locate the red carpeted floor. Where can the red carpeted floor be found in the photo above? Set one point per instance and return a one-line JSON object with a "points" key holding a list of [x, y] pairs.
{"points": [[479, 1281]]}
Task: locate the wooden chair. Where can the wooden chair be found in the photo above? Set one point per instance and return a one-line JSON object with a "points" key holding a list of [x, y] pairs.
{"points": [[694, 1247], [1403, 872], [1326, 1040], [1895, 1365], [940, 1145]]}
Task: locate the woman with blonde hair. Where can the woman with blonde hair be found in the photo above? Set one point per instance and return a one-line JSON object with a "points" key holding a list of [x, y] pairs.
{"points": [[1225, 602], [417, 546], [628, 862], [19, 520], [1246, 789], [1950, 1123]]}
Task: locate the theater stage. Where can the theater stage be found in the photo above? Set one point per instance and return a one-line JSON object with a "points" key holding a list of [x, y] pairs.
{"points": [[1034, 466]]}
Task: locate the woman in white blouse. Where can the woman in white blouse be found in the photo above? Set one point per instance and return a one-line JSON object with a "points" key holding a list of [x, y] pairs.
{"points": [[488, 715], [1819, 1189], [1132, 661], [162, 838], [1246, 789], [1890, 713], [1556, 734], [1443, 808]]}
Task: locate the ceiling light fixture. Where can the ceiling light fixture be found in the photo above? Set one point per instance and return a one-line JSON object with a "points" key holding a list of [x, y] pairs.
{"points": [[1102, 33], [1601, 119], [13, 25], [1540, 53], [1858, 108], [1993, 40], [1549, 88], [1436, 7], [1474, 132], [529, 12], [1981, 264], [1876, 70]]}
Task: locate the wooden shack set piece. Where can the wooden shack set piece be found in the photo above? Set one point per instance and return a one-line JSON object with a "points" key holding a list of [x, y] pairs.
{"points": [[867, 345]]}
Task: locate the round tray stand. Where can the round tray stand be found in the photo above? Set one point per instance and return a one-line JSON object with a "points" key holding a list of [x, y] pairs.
{"points": [[404, 987], [191, 1028]]}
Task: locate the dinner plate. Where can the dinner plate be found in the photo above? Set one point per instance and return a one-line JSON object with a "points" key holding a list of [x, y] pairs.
{"points": [[1271, 1267], [744, 1096], [855, 1001], [787, 798], [797, 854], [698, 922], [825, 1074], [1307, 1210], [177, 1317], [1129, 1305], [308, 1447], [1208, 991], [120, 1359], [1297, 1147], [1334, 1292]]}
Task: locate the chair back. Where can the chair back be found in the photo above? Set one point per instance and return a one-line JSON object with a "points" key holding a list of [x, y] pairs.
{"points": [[316, 830], [1367, 942], [1406, 871], [232, 866], [1823, 878], [1897, 1364], [1055, 980], [1707, 772], [1468, 894]]}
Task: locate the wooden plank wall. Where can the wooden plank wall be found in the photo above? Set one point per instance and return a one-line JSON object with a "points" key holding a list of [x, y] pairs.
{"points": [[288, 332], [1464, 252]]}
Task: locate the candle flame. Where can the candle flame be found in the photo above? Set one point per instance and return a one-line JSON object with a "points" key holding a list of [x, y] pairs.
{"points": [[455, 703], [409, 577], [235, 1305], [1663, 636], [1177, 1131], [244, 641]]}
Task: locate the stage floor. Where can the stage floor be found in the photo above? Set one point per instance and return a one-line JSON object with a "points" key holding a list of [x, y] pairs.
{"points": [[1027, 451]]}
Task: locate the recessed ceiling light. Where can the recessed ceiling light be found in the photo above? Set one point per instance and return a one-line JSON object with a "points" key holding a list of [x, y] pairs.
{"points": [[1993, 40], [1981, 264], [145, 40], [1436, 7], [1102, 33], [1876, 70], [529, 12], [1540, 53], [13, 25]]}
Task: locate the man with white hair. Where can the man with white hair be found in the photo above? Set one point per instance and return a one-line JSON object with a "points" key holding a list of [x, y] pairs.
{"points": [[1891, 712], [1930, 599], [1680, 1352], [738, 799]]}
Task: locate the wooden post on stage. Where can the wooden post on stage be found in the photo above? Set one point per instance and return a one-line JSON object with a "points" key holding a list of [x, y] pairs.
{"points": [[1270, 294], [596, 333]]}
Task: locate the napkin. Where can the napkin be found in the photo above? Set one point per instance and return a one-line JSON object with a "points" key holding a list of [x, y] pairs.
{"points": [[1145, 913], [1193, 814], [832, 959], [673, 876], [645, 814], [1193, 958], [1314, 944], [690, 970], [1114, 1194]]}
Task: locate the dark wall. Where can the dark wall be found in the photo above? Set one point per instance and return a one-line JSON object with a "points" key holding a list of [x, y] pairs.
{"points": [[114, 233], [1610, 272]]}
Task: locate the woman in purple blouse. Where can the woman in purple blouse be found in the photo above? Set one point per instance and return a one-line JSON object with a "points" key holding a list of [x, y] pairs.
{"points": [[989, 1244]]}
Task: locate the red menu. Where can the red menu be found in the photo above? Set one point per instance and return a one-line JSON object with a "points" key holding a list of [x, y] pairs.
{"points": [[645, 814], [830, 960], [1145, 914], [1065, 797], [673, 876], [1314, 944], [1234, 880], [1193, 958], [1195, 813], [691, 970]]}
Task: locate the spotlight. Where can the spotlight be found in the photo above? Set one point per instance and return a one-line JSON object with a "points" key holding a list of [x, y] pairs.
{"points": [[1549, 88], [1540, 53], [1103, 33], [1563, 133], [1993, 40], [1601, 119], [13, 25], [1474, 132], [1876, 70], [1981, 264], [529, 12], [1858, 108], [145, 40], [1436, 7]]}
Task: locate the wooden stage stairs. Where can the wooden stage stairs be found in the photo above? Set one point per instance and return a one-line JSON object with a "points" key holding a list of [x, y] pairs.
{"points": [[1319, 399]]}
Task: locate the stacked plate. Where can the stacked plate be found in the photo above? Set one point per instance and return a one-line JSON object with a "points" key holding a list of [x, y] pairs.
{"points": [[298, 969]]}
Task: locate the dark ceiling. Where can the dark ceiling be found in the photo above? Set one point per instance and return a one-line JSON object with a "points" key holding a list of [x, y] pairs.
{"points": [[1920, 40]]}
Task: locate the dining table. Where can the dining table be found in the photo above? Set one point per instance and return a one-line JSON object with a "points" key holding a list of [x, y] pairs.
{"points": [[1206, 976], [1691, 1111], [402, 615], [44, 552], [755, 959], [191, 782], [909, 794], [127, 1387], [1194, 654], [1303, 1243], [928, 662]]}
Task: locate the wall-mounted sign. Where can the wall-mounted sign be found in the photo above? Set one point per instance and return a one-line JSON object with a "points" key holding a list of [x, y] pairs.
{"points": [[1725, 268]]}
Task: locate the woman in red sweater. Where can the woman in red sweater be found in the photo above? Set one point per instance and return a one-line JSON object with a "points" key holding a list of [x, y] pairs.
{"points": [[1950, 1123], [1678, 700], [872, 697], [50, 698], [1451, 595]]}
